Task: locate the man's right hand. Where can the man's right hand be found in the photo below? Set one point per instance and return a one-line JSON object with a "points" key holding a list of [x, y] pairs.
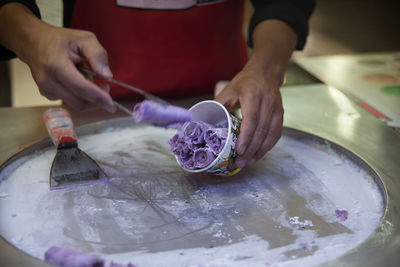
{"points": [[53, 54]]}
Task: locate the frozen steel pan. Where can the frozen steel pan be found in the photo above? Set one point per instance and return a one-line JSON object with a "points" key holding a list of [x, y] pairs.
{"points": [[284, 209], [308, 202]]}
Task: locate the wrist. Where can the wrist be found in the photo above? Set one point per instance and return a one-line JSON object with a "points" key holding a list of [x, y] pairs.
{"points": [[266, 61], [268, 66], [274, 42]]}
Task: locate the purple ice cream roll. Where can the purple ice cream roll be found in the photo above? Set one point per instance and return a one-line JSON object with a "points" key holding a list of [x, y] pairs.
{"points": [[174, 140], [215, 139], [177, 143], [185, 153], [181, 130], [194, 131], [193, 145], [222, 133], [189, 164], [186, 157], [160, 115], [203, 157], [197, 144], [71, 258]]}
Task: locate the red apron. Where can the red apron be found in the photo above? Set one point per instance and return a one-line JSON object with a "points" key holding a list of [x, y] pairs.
{"points": [[170, 53]]}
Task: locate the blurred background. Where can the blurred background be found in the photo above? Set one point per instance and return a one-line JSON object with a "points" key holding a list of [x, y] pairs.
{"points": [[337, 27]]}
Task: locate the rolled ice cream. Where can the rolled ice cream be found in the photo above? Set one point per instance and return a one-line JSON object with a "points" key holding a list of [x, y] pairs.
{"points": [[215, 139], [71, 258], [197, 144], [67, 257], [159, 114], [202, 157]]}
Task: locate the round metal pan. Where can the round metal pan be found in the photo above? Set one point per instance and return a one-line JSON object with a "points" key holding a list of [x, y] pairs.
{"points": [[369, 253]]}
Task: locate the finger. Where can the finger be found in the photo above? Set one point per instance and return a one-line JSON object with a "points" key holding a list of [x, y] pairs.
{"points": [[76, 103], [105, 87], [260, 133], [250, 104], [219, 86], [274, 133], [84, 65], [95, 54], [228, 96], [58, 91], [49, 95], [226, 100], [72, 79]]}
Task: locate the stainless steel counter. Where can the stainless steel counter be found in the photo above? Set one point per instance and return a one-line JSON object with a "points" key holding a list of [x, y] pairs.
{"points": [[316, 109]]}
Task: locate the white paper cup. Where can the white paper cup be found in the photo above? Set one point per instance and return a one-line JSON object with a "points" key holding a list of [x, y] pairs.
{"points": [[214, 113]]}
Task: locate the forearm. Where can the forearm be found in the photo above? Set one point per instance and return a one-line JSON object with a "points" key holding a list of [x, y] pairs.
{"points": [[17, 26], [274, 42]]}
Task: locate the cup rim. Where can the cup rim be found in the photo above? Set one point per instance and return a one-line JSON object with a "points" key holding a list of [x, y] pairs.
{"points": [[226, 143]]}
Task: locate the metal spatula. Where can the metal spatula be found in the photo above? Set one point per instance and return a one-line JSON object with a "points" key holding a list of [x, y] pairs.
{"points": [[147, 95], [71, 166]]}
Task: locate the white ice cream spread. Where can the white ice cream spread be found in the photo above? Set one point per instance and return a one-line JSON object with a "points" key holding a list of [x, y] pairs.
{"points": [[278, 212]]}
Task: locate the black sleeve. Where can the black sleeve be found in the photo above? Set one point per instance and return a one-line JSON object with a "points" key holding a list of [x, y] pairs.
{"points": [[31, 4], [67, 12], [295, 13]]}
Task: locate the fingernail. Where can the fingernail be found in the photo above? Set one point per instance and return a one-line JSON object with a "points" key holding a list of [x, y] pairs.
{"points": [[240, 163], [106, 71]]}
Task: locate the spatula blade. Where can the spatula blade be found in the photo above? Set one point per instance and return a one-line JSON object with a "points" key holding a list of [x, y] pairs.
{"points": [[72, 167]]}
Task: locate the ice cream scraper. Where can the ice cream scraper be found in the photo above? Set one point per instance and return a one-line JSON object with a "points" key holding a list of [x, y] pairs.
{"points": [[71, 166], [147, 95]]}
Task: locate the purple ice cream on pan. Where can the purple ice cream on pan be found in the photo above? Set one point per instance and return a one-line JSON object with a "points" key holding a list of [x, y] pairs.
{"points": [[159, 114], [66, 257], [71, 258], [341, 215]]}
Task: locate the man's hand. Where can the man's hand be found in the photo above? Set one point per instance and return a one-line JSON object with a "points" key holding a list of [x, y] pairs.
{"points": [[53, 63], [257, 93], [256, 90], [53, 53]]}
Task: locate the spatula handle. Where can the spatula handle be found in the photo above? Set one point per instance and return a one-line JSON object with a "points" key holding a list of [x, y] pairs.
{"points": [[59, 125]]}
